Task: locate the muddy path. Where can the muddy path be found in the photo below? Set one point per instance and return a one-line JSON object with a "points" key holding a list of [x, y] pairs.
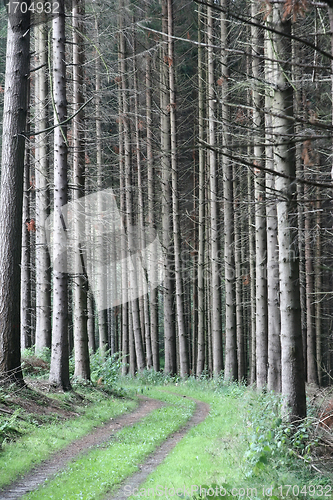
{"points": [[156, 458], [59, 460]]}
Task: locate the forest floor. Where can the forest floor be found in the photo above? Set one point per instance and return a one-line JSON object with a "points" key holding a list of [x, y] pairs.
{"points": [[40, 405], [223, 442], [33, 479]]}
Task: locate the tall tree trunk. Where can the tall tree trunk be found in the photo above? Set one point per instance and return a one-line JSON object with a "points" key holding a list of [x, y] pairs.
{"points": [[312, 376], [170, 365], [100, 249], [59, 370], [12, 168], [80, 284], [238, 285], [201, 222], [293, 386], [142, 283], [43, 264], [231, 370], [28, 227], [260, 212], [151, 217], [213, 203], [318, 286], [133, 292], [182, 333], [273, 290], [252, 270]]}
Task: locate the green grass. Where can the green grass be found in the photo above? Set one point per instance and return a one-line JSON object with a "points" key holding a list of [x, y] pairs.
{"points": [[38, 443], [213, 454], [91, 476], [236, 447]]}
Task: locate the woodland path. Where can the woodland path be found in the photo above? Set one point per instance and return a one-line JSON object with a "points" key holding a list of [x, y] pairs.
{"points": [[156, 458], [100, 435]]}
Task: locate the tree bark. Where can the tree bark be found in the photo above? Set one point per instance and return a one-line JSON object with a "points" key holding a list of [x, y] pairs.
{"points": [[12, 168], [201, 222], [43, 264], [231, 370], [260, 212], [151, 217], [293, 386], [213, 203], [182, 333], [80, 283], [170, 365], [273, 290], [59, 370]]}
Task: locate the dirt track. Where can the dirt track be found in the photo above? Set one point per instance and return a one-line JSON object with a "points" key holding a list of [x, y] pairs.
{"points": [[58, 461]]}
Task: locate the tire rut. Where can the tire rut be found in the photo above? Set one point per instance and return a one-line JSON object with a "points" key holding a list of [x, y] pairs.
{"points": [[156, 458], [34, 478]]}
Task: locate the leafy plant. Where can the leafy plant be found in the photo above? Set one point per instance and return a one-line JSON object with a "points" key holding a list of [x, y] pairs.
{"points": [[274, 442], [106, 370], [9, 429]]}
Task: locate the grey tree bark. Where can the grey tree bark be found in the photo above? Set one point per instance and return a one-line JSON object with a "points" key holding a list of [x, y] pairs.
{"points": [[182, 333], [214, 235], [201, 221], [273, 290], [293, 386], [151, 215], [170, 365], [12, 168], [132, 274], [59, 369], [43, 264], [80, 284], [100, 249], [231, 370], [260, 210]]}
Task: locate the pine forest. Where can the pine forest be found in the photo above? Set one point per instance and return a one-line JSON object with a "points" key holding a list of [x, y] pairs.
{"points": [[166, 189]]}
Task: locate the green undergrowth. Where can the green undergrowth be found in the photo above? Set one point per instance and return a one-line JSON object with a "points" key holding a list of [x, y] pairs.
{"points": [[38, 436], [104, 467], [242, 450]]}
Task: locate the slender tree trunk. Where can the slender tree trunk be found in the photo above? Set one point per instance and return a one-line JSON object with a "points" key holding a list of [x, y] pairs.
{"points": [[143, 285], [59, 370], [260, 212], [28, 227], [170, 365], [43, 264], [80, 284], [318, 286], [312, 376], [273, 290], [201, 222], [91, 323], [182, 333], [252, 268], [213, 203], [151, 217], [12, 168], [293, 386], [133, 292], [231, 370], [100, 249]]}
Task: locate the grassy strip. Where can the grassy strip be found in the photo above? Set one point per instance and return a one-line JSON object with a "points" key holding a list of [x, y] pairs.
{"points": [[97, 472], [38, 443], [212, 454]]}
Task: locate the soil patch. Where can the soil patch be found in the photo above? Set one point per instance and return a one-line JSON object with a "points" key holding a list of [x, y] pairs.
{"points": [[157, 457], [58, 461]]}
